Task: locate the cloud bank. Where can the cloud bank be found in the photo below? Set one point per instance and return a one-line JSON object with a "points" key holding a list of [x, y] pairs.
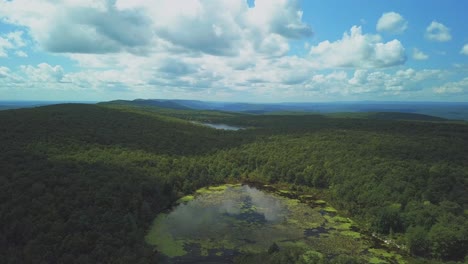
{"points": [[199, 49]]}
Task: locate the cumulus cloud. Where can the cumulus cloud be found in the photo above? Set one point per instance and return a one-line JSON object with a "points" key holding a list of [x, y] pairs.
{"points": [[392, 22], [464, 50], [359, 50], [409, 80], [419, 55], [224, 50], [459, 87], [87, 30], [43, 72], [280, 17], [438, 32], [221, 28], [11, 41]]}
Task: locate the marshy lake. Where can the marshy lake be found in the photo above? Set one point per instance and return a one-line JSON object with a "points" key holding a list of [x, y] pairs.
{"points": [[218, 223]]}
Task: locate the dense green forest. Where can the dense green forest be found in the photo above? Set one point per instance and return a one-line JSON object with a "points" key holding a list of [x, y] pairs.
{"points": [[82, 183]]}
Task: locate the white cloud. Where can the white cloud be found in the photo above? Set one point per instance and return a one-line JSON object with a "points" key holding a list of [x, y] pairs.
{"points": [[4, 46], [288, 78], [464, 50], [16, 38], [222, 28], [359, 50], [392, 22], [4, 72], [459, 87], [21, 54], [438, 32], [11, 41], [43, 72], [419, 55], [77, 26], [401, 81], [8, 78], [194, 46], [221, 49]]}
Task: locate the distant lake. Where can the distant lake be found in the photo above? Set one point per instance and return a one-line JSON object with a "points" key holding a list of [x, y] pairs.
{"points": [[221, 126]]}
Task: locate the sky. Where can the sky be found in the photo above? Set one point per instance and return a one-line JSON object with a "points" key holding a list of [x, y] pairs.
{"points": [[234, 50]]}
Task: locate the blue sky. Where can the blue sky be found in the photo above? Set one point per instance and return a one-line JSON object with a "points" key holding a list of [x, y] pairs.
{"points": [[234, 50]]}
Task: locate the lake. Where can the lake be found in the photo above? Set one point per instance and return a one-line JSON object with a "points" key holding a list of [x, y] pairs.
{"points": [[218, 223], [221, 126]]}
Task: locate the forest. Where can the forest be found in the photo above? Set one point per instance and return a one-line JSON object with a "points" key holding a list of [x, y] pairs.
{"points": [[82, 183]]}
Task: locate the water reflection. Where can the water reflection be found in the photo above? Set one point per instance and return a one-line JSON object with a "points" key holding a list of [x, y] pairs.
{"points": [[221, 126], [213, 212]]}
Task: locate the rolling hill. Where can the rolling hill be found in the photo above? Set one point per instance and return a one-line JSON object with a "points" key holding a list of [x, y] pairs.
{"points": [[455, 111]]}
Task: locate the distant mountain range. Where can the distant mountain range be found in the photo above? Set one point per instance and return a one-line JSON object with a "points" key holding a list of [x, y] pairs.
{"points": [[4, 105], [447, 110], [457, 111]]}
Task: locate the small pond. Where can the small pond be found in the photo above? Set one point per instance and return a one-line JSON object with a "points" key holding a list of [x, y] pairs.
{"points": [[218, 223]]}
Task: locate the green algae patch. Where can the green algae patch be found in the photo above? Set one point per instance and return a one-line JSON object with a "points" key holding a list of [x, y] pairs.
{"points": [[330, 209], [341, 224], [170, 247], [160, 237], [306, 197], [292, 202], [216, 189], [185, 199], [340, 219], [320, 202], [344, 226], [375, 260]]}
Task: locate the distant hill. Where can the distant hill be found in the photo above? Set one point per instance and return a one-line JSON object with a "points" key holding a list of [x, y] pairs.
{"points": [[454, 111], [155, 103], [389, 116], [405, 116], [5, 105]]}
